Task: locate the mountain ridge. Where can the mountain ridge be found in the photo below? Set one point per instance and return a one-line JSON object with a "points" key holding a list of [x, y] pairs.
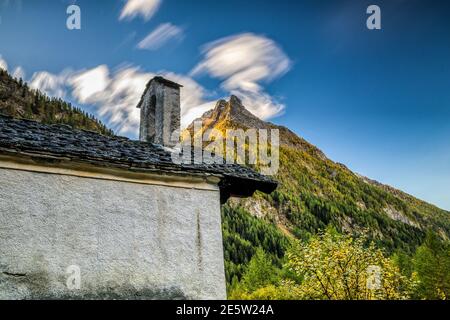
{"points": [[315, 191]]}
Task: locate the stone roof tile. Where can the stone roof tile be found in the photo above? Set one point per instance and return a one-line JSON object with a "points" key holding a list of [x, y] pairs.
{"points": [[31, 137]]}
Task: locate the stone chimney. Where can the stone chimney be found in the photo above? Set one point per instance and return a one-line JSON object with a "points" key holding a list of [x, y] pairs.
{"points": [[160, 112]]}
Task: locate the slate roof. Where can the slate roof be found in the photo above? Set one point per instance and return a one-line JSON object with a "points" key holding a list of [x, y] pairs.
{"points": [[25, 136]]}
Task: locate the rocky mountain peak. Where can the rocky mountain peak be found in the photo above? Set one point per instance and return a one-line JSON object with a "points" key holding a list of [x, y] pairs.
{"points": [[232, 111], [233, 114]]}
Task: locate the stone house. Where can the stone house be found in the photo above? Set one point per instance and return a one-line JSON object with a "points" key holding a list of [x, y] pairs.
{"points": [[87, 216]]}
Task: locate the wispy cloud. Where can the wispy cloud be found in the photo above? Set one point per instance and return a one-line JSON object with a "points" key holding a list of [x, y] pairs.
{"points": [[244, 62], [19, 73], [89, 86], [160, 36], [144, 8], [113, 94], [52, 84], [3, 64], [116, 95]]}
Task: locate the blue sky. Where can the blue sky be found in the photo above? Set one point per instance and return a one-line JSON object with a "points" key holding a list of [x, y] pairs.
{"points": [[376, 100]]}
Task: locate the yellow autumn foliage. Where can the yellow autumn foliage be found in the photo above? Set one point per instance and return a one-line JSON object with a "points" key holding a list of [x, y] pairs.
{"points": [[338, 267]]}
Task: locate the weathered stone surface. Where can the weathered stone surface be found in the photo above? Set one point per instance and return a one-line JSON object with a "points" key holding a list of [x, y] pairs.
{"points": [[160, 112], [130, 241]]}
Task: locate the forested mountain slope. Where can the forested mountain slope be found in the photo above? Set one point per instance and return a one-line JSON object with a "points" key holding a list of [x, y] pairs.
{"points": [[314, 193], [18, 100]]}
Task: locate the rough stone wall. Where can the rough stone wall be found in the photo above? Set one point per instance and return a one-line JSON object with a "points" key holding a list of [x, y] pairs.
{"points": [[130, 241], [171, 115], [159, 120], [147, 129]]}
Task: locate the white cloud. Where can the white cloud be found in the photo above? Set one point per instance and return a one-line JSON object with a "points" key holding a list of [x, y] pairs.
{"points": [[19, 73], [243, 62], [53, 85], [144, 8], [260, 103], [116, 94], [88, 84], [160, 36], [3, 64], [195, 112]]}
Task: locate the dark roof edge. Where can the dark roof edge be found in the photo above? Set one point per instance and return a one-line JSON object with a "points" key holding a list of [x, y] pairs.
{"points": [[167, 82], [159, 79], [229, 185], [232, 186]]}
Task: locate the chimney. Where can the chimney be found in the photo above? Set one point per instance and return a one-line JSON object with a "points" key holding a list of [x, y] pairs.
{"points": [[160, 112]]}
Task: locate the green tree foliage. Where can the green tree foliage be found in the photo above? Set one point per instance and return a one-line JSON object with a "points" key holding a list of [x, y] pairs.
{"points": [[243, 234], [432, 268], [259, 273]]}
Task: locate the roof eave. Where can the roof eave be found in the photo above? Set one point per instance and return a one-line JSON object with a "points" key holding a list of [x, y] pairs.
{"points": [[244, 188]]}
